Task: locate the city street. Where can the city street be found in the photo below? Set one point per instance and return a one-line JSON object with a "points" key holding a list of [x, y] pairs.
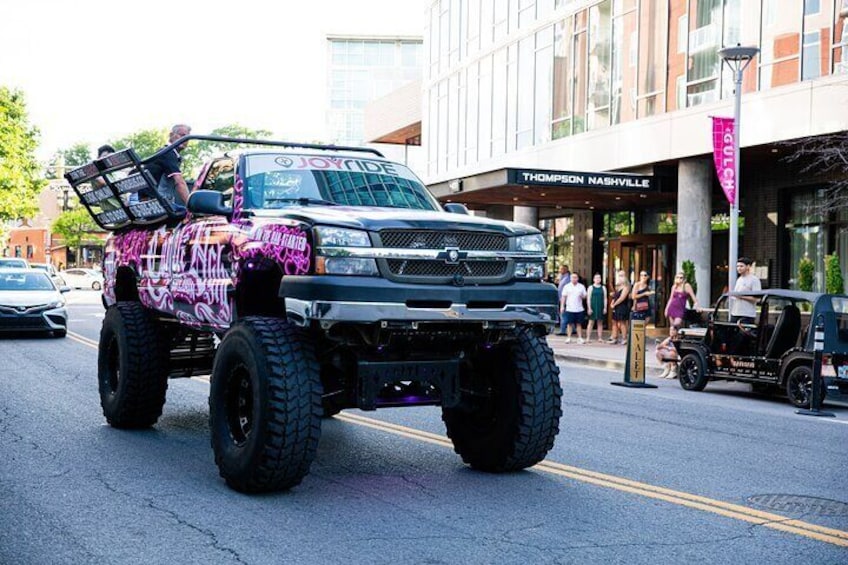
{"points": [[636, 476]]}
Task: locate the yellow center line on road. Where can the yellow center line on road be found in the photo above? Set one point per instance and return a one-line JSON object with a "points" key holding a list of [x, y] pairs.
{"points": [[726, 509]]}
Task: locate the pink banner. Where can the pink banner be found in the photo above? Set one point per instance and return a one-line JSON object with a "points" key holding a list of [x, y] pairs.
{"points": [[724, 156]]}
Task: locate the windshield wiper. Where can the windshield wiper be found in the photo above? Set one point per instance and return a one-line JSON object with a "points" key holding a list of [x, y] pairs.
{"points": [[303, 200]]}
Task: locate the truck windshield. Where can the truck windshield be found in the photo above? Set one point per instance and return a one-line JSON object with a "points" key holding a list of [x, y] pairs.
{"points": [[276, 181]]}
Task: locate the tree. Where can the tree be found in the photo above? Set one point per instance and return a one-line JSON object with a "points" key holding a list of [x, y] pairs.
{"points": [[198, 152], [145, 142], [824, 156], [833, 280], [20, 172], [806, 270], [76, 228]]}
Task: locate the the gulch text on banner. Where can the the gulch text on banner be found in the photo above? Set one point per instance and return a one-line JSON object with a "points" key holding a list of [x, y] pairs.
{"points": [[724, 131]]}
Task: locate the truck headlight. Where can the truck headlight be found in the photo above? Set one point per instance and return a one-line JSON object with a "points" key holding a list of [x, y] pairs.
{"points": [[534, 271], [346, 266], [326, 236], [534, 243]]}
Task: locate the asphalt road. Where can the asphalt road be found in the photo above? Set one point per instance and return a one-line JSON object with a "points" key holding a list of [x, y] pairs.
{"points": [[636, 476]]}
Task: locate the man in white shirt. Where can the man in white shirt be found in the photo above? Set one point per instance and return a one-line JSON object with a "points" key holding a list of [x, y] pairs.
{"points": [[744, 308], [571, 307]]}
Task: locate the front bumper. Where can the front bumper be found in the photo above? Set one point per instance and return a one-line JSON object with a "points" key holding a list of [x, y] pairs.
{"points": [[33, 320], [334, 299]]}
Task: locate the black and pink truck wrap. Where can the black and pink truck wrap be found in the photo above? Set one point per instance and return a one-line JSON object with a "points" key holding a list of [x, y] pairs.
{"points": [[306, 279]]}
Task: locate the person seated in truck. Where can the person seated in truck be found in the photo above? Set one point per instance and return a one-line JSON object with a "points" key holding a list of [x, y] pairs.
{"points": [[166, 172]]}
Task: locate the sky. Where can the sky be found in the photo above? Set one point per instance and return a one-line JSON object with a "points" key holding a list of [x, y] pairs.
{"points": [[94, 70]]}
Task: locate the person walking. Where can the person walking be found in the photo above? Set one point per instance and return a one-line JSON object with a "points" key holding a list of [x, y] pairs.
{"points": [[620, 304], [571, 307], [681, 292], [642, 297], [597, 303], [564, 279]]}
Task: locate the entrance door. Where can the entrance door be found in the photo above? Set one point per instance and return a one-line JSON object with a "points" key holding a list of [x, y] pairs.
{"points": [[654, 254]]}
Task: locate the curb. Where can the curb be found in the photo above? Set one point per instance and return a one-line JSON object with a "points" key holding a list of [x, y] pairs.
{"points": [[599, 363]]}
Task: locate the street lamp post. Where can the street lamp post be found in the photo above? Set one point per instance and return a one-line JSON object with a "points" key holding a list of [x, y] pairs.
{"points": [[737, 59]]}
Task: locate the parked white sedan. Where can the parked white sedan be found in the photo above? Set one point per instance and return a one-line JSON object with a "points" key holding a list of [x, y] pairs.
{"points": [[83, 278], [30, 302]]}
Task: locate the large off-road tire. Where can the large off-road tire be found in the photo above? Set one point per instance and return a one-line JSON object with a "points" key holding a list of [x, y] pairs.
{"points": [[514, 425], [265, 405], [132, 367], [691, 372], [799, 386]]}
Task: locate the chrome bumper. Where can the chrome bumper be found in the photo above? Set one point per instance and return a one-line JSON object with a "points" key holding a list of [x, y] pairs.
{"points": [[301, 312]]}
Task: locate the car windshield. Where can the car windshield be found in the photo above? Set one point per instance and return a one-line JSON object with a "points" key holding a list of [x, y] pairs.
{"points": [[16, 263], [36, 280], [275, 181]]}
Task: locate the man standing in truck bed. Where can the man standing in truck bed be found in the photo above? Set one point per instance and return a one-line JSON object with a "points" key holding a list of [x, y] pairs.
{"points": [[166, 172]]}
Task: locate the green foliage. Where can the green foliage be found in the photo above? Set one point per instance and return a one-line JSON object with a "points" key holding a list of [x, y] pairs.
{"points": [[76, 227], [145, 142], [833, 281], [20, 180], [77, 155], [689, 273], [805, 274], [198, 152]]}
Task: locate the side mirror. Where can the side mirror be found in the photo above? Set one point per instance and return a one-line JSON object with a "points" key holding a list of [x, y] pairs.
{"points": [[208, 202], [64, 289], [456, 208]]}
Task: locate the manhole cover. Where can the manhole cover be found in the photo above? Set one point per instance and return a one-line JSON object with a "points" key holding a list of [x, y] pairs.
{"points": [[800, 504]]}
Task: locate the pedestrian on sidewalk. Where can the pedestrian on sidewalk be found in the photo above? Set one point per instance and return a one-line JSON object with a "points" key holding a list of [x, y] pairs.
{"points": [[620, 305], [571, 307], [667, 355], [681, 292], [642, 298], [563, 279], [597, 303]]}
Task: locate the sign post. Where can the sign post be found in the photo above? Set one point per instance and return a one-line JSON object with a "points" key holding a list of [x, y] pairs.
{"points": [[634, 366]]}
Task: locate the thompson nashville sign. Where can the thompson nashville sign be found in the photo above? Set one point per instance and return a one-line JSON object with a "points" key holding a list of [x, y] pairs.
{"points": [[606, 181]]}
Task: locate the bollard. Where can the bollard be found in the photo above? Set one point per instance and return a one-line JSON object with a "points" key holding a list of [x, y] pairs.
{"points": [[634, 364], [815, 386]]}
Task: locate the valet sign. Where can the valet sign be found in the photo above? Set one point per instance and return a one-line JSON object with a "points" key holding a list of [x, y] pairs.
{"points": [[610, 181], [724, 155]]}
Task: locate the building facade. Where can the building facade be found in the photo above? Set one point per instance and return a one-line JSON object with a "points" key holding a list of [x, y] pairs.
{"points": [[524, 99]]}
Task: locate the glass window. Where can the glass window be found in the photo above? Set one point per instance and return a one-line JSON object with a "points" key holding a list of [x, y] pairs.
{"points": [[487, 13], [544, 85], [816, 50], [512, 94], [453, 121], [704, 42], [462, 102], [781, 43], [471, 110], [499, 87], [653, 32], [455, 32], [472, 23], [840, 45], [810, 56], [678, 30], [484, 145], [623, 95], [526, 12], [812, 7], [443, 125], [562, 79], [600, 40], [581, 69], [527, 86], [500, 17]]}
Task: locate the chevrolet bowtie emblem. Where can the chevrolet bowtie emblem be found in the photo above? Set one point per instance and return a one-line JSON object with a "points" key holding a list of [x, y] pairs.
{"points": [[451, 255]]}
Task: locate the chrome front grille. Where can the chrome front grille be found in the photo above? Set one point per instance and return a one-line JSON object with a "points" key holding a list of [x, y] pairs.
{"points": [[464, 240], [441, 271]]}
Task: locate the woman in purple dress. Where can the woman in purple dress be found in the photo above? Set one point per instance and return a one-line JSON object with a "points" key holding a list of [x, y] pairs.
{"points": [[681, 292]]}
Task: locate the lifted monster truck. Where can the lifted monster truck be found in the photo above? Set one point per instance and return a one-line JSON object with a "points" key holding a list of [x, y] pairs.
{"points": [[308, 279]]}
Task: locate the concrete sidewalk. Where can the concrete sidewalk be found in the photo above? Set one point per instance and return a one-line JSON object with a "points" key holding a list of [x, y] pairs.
{"points": [[602, 355]]}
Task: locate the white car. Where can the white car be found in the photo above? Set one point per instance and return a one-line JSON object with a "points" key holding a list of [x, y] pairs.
{"points": [[30, 302], [51, 271], [13, 263], [83, 278]]}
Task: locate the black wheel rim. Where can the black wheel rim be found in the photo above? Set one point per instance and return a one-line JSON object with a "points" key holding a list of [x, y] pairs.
{"points": [[688, 372], [113, 366], [239, 404], [800, 387]]}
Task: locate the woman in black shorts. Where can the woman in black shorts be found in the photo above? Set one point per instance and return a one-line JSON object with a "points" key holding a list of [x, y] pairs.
{"points": [[620, 306]]}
